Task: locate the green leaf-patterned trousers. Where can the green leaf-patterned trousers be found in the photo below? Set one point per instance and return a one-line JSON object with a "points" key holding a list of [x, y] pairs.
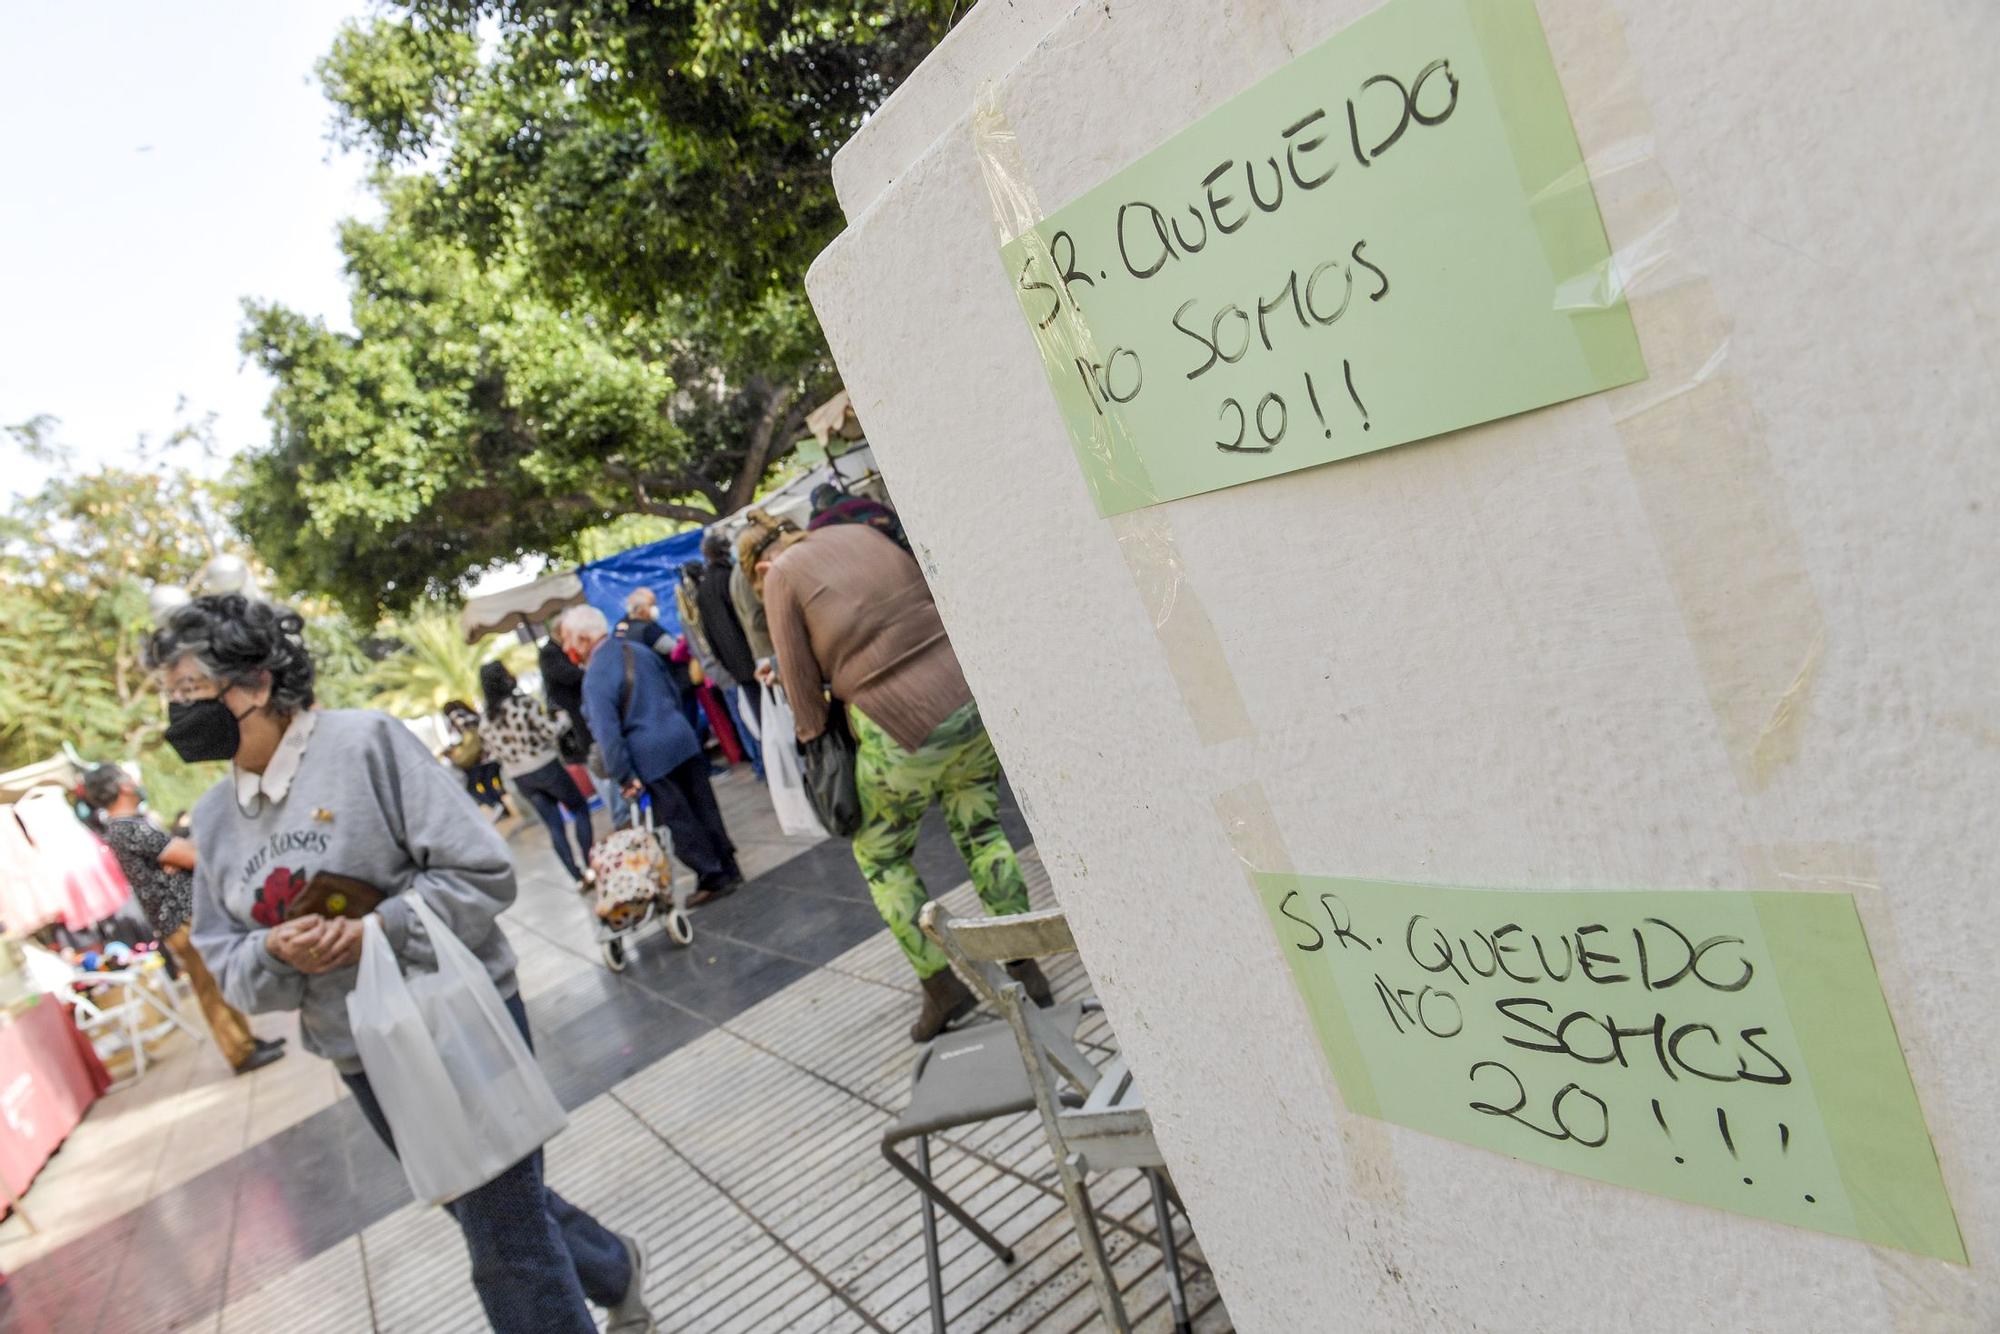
{"points": [[957, 768]]}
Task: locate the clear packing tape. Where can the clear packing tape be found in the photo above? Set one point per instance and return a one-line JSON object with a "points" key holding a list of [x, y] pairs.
{"points": [[1691, 440], [1145, 536]]}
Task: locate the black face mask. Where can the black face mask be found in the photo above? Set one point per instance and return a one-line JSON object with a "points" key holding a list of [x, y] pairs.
{"points": [[204, 729]]}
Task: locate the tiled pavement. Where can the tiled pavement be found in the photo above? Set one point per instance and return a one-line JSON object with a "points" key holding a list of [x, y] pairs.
{"points": [[727, 1101]]}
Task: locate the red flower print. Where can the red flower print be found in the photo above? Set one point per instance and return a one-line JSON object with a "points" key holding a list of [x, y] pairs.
{"points": [[280, 888]]}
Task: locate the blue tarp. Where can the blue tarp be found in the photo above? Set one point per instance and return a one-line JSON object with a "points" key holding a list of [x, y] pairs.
{"points": [[657, 566]]}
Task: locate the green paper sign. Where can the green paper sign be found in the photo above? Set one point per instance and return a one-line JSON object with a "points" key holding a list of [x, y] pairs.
{"points": [[1726, 1049], [1389, 238]]}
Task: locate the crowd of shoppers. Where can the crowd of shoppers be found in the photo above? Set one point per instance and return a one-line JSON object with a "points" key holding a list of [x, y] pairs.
{"points": [[837, 616]]}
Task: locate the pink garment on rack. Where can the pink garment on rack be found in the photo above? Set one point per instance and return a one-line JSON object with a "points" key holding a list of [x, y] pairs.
{"points": [[29, 899], [74, 867]]}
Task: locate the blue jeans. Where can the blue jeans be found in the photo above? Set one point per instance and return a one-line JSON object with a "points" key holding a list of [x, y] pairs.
{"points": [[535, 1256], [550, 790], [615, 804]]}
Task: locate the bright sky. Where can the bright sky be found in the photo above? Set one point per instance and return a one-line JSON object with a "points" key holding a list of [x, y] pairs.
{"points": [[158, 163]]}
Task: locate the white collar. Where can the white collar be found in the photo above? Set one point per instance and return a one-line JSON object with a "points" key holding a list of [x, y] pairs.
{"points": [[276, 780]]}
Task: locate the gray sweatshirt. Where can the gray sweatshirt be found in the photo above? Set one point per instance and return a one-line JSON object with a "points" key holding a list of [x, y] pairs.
{"points": [[370, 802]]}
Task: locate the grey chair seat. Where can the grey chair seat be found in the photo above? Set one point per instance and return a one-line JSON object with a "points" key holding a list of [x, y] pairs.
{"points": [[960, 1079], [1094, 1117], [972, 1075]]}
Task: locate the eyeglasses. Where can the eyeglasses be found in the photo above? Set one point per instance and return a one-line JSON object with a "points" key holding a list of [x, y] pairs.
{"points": [[185, 687]]}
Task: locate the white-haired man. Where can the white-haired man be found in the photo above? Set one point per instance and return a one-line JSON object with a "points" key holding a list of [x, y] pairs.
{"points": [[634, 713], [641, 624]]}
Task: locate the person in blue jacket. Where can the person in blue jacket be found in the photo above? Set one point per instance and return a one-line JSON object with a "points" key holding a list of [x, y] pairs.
{"points": [[634, 714]]}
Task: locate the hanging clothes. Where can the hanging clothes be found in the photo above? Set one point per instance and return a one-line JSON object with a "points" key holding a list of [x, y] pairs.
{"points": [[29, 897], [74, 864]]}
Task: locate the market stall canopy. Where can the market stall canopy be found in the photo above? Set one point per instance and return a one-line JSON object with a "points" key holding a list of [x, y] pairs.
{"points": [[656, 565], [605, 583], [60, 772], [834, 417], [511, 607]]}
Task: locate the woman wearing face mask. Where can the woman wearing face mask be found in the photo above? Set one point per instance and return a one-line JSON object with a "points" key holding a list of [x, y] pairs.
{"points": [[355, 794]]}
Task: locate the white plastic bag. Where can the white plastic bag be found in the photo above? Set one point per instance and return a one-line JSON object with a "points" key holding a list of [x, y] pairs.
{"points": [[463, 1095], [783, 773]]}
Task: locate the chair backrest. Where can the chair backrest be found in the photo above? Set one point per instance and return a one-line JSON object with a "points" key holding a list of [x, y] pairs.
{"points": [[50, 973], [979, 946]]}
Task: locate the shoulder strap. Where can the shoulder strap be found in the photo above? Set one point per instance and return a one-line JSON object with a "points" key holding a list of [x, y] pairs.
{"points": [[625, 694]]}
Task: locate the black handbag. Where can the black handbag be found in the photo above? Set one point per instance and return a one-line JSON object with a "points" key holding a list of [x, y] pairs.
{"points": [[829, 760]]}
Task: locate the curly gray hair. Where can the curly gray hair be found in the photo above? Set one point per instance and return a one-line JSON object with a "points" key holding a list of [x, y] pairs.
{"points": [[240, 641]]}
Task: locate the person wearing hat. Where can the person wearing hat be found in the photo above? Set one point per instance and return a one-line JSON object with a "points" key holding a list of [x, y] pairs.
{"points": [[831, 505], [746, 591], [160, 869]]}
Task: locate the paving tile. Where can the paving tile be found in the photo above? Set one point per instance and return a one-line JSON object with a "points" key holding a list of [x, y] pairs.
{"points": [[316, 1297]]}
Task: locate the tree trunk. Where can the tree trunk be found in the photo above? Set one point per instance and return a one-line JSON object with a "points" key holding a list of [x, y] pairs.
{"points": [[674, 510], [778, 424]]}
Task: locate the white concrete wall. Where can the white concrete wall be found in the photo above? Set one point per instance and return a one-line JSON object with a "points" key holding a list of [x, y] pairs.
{"points": [[1742, 635]]}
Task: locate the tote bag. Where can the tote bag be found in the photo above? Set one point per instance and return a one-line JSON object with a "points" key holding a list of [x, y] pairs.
{"points": [[782, 770], [830, 775], [463, 1095]]}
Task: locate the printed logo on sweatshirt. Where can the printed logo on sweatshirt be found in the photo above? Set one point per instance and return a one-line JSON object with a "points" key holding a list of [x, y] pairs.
{"points": [[282, 842], [275, 895]]}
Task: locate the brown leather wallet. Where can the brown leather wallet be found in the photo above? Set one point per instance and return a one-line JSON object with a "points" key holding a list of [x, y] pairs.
{"points": [[333, 895]]}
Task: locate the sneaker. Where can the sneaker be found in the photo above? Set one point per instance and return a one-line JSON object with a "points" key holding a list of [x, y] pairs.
{"points": [[630, 1316]]}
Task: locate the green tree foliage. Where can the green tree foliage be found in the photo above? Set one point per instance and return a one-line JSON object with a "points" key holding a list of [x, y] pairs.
{"points": [[430, 662], [636, 154], [464, 423], [586, 297], [78, 562]]}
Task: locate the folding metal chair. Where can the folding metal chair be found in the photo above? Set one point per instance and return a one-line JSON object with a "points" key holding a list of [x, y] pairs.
{"points": [[1094, 1119], [962, 1078]]}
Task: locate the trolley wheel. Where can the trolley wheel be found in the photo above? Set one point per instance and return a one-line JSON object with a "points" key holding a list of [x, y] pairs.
{"points": [[679, 929], [613, 951]]}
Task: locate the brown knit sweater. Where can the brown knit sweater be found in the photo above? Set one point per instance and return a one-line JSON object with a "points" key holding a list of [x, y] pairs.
{"points": [[848, 606]]}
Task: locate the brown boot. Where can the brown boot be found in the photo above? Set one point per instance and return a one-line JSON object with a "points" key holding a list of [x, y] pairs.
{"points": [[945, 999], [1029, 974]]}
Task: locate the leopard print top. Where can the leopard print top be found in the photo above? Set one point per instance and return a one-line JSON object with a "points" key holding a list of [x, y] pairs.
{"points": [[522, 738]]}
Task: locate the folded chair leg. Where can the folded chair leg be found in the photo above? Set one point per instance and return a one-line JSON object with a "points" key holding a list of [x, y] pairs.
{"points": [[932, 1270], [1077, 1196], [925, 1187], [1170, 1251], [138, 1043]]}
